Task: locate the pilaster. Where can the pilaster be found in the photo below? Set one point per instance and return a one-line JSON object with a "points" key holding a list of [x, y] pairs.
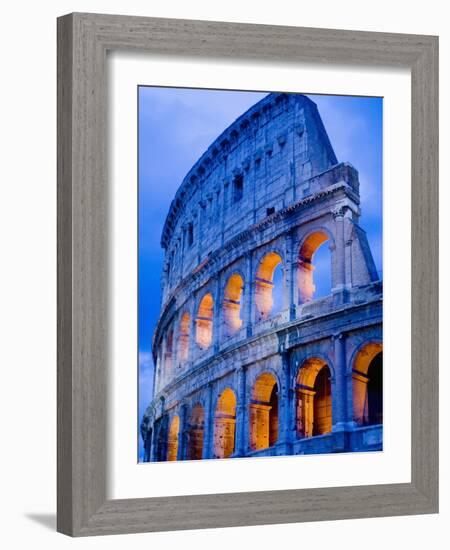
{"points": [[339, 384], [241, 412], [286, 421], [183, 433], [291, 287], [217, 313], [249, 300], [209, 424]]}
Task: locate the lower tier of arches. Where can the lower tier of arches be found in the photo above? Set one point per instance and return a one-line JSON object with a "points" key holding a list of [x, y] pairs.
{"points": [[304, 404]]}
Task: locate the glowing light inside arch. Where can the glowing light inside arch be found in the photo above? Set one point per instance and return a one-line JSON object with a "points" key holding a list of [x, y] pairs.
{"points": [[264, 285], [183, 337], [368, 385], [225, 424], [306, 268], [204, 322], [172, 444], [264, 412], [232, 304], [314, 403]]}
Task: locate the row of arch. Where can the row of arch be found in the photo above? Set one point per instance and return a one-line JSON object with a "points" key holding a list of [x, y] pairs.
{"points": [[313, 414], [268, 290]]}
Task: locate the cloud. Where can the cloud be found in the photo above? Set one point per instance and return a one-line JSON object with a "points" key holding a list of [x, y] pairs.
{"points": [[145, 360]]}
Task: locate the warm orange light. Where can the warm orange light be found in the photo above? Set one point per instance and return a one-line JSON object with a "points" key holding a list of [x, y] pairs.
{"points": [[306, 286], [172, 444], [225, 424], [183, 339], [264, 284], [264, 412], [204, 322], [232, 304], [314, 403]]}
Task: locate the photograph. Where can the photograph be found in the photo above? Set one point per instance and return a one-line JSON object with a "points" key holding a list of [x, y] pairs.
{"points": [[260, 274]]}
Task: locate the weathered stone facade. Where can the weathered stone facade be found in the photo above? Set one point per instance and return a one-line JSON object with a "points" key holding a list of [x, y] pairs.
{"points": [[234, 376]]}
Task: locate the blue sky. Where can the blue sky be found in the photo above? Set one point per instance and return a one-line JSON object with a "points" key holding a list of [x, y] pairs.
{"points": [[177, 125]]}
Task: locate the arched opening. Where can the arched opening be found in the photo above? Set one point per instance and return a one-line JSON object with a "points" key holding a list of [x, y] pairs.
{"points": [[183, 337], [322, 403], [204, 321], [368, 385], [168, 354], [277, 290], [264, 412], [375, 390], [273, 416], [160, 428], [225, 424], [172, 440], [232, 304], [314, 403], [314, 268], [269, 286], [195, 433]]}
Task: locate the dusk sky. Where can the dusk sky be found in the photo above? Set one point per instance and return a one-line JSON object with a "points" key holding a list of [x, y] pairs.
{"points": [[177, 125]]}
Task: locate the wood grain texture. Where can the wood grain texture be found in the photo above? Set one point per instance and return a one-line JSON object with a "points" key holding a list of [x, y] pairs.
{"points": [[83, 40]]}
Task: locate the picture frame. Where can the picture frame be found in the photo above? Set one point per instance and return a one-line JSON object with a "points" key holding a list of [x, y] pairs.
{"points": [[83, 200]]}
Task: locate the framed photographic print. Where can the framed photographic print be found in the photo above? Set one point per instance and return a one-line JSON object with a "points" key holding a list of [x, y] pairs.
{"points": [[247, 274]]}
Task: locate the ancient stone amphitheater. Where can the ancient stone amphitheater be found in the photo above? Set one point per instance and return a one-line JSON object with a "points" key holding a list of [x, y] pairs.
{"points": [[248, 360]]}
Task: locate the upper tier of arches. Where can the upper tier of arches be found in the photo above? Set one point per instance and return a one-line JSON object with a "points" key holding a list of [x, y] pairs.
{"points": [[283, 280], [266, 160]]}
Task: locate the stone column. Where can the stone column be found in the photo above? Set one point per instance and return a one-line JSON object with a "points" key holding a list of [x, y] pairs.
{"points": [[338, 215], [247, 392], [156, 373], [291, 275], [241, 412], [175, 336], [338, 384], [217, 314], [209, 424], [249, 298], [192, 327], [183, 433], [339, 285], [152, 455], [285, 429], [348, 260]]}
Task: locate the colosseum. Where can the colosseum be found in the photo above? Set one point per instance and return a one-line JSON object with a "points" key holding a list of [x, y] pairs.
{"points": [[249, 361]]}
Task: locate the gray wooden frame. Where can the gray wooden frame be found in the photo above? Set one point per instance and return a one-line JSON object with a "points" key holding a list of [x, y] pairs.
{"points": [[83, 41]]}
